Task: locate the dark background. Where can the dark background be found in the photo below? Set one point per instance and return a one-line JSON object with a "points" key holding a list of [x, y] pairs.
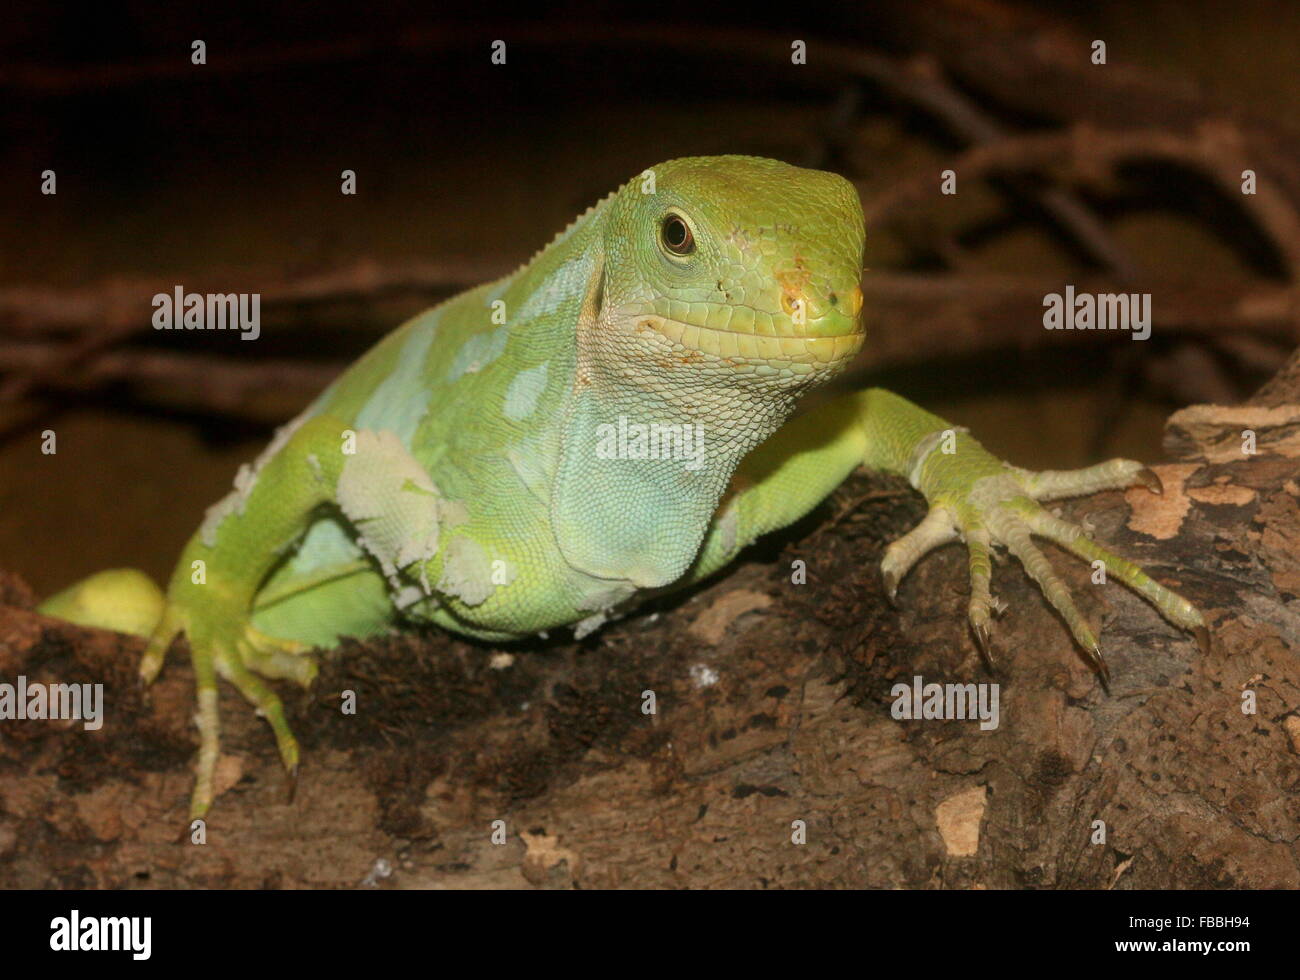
{"points": [[228, 175]]}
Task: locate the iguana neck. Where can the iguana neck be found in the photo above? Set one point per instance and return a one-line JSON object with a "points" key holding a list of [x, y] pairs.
{"points": [[650, 439]]}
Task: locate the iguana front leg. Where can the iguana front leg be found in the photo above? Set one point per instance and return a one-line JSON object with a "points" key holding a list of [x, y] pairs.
{"points": [[320, 465], [973, 496]]}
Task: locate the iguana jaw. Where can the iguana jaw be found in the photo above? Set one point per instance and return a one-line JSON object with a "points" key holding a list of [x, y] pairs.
{"points": [[825, 344], [798, 353]]}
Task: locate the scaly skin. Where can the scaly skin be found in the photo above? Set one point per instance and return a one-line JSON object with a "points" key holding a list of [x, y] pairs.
{"points": [[465, 472]]}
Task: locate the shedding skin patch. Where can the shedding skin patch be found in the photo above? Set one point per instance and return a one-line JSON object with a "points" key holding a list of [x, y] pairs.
{"points": [[604, 594], [392, 501], [245, 480], [407, 596], [524, 391], [605, 597], [466, 572], [218, 512]]}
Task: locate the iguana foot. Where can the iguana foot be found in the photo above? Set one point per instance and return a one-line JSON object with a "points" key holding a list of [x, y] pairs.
{"points": [[989, 508], [224, 643]]}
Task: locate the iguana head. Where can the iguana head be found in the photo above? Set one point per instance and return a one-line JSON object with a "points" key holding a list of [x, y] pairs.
{"points": [[717, 289], [741, 267]]}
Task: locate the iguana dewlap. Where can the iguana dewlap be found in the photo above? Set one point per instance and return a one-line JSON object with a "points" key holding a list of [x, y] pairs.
{"points": [[611, 420]]}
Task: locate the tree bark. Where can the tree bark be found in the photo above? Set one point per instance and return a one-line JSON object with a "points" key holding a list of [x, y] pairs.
{"points": [[772, 712]]}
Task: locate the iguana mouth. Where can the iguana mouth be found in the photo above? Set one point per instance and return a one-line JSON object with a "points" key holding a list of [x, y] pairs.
{"points": [[801, 353]]}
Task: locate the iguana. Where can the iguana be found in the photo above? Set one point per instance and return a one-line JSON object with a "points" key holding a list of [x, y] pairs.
{"points": [[612, 421]]}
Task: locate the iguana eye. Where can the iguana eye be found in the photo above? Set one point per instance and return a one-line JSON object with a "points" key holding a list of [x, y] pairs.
{"points": [[676, 235]]}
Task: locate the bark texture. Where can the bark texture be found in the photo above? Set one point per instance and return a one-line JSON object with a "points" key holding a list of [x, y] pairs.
{"points": [[772, 705]]}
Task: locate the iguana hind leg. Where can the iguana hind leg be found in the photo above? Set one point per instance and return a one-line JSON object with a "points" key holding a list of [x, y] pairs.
{"points": [[212, 593]]}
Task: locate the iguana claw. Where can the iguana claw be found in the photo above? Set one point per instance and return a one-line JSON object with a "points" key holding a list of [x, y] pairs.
{"points": [[990, 506], [981, 632], [1202, 634], [1148, 478], [890, 581], [1099, 665]]}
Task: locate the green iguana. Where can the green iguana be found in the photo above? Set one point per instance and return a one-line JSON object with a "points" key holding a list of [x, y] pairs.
{"points": [[610, 422]]}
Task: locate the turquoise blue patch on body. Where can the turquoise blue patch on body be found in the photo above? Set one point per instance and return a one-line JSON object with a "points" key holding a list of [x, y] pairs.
{"points": [[402, 398], [478, 351], [524, 391], [325, 545]]}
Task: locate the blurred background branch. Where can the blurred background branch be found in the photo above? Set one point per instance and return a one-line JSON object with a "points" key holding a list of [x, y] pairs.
{"points": [[1012, 97]]}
